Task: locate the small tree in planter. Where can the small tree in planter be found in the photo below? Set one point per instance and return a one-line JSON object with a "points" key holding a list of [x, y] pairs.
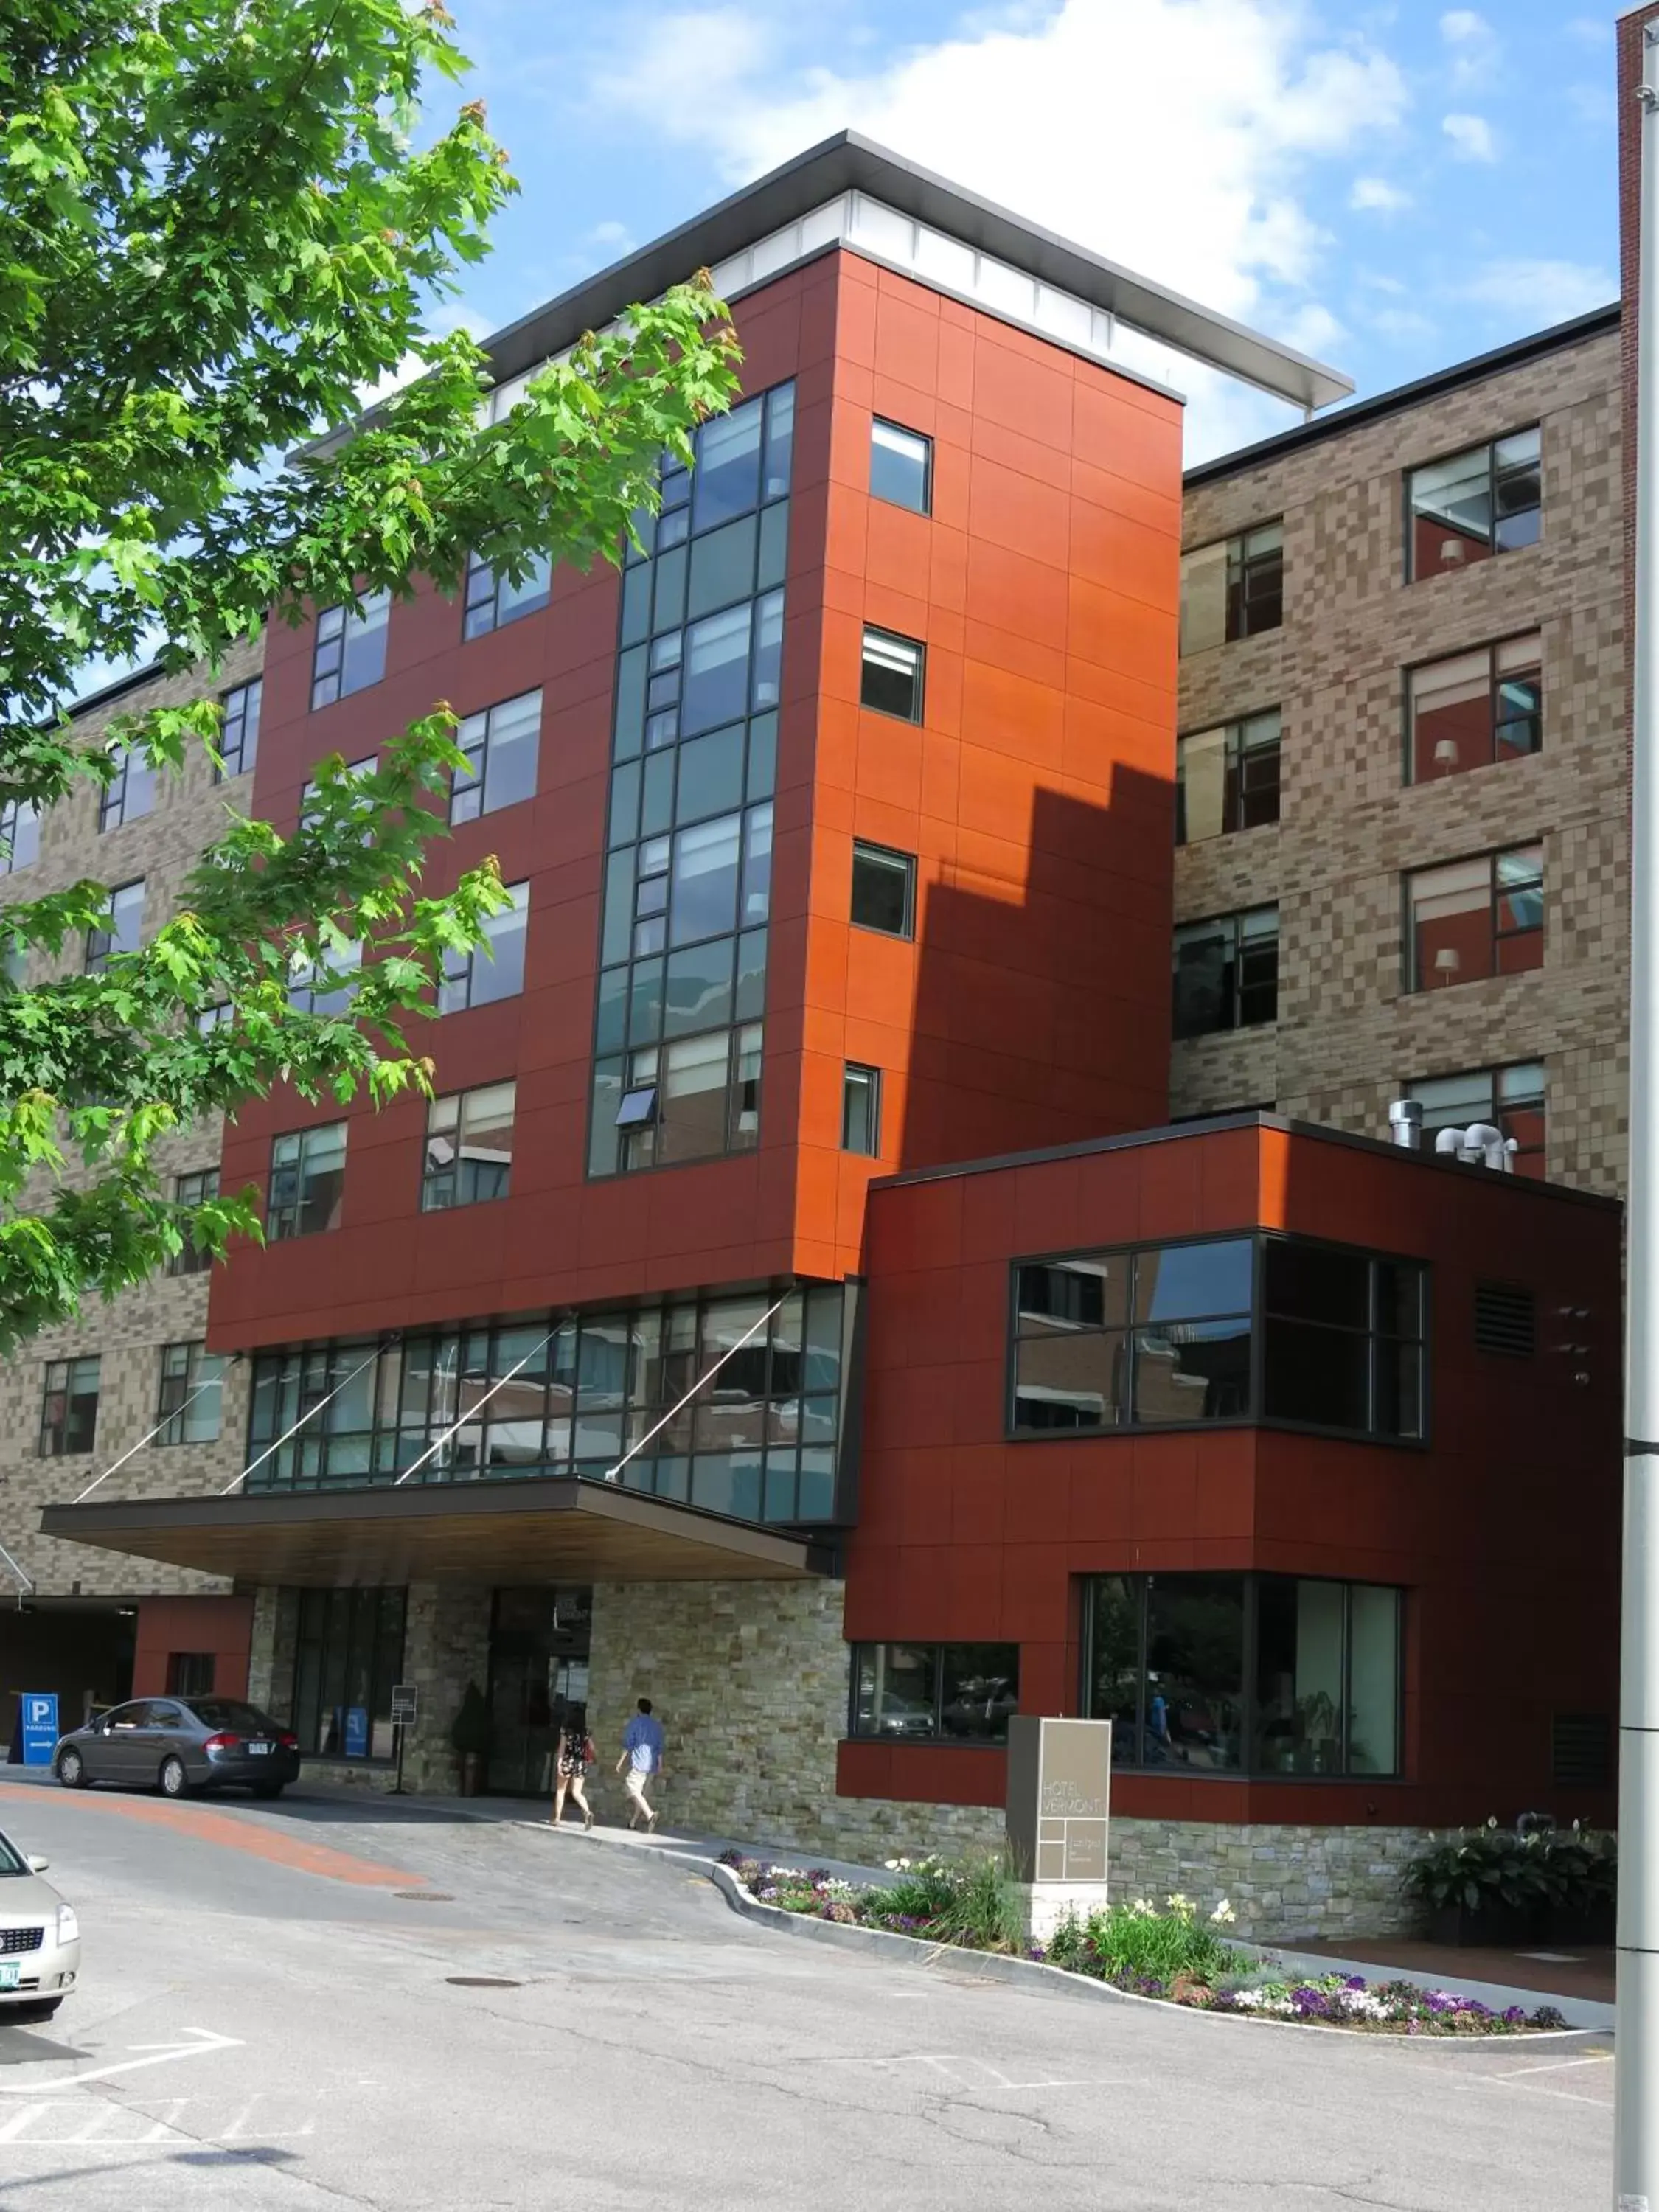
{"points": [[468, 1733]]}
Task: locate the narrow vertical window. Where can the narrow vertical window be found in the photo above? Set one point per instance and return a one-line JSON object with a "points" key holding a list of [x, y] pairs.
{"points": [[861, 1111]]}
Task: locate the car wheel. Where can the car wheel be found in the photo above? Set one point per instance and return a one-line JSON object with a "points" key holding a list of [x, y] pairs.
{"points": [[174, 1782], [29, 2015], [268, 1788], [72, 1769]]}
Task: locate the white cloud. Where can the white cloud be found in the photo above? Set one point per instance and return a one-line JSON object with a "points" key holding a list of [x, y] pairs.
{"points": [[1540, 292], [1471, 136], [1473, 44], [1376, 195], [451, 317]]}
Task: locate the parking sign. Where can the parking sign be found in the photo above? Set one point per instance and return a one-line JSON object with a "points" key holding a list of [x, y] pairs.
{"points": [[40, 1726]]}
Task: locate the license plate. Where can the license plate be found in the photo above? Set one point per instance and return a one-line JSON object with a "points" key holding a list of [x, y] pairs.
{"points": [[10, 1973], [258, 1750]]}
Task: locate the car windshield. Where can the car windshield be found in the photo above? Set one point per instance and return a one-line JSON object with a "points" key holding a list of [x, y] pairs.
{"points": [[11, 1859], [228, 1713]]}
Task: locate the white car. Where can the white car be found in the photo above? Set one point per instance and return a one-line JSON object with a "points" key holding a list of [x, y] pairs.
{"points": [[39, 1941]]}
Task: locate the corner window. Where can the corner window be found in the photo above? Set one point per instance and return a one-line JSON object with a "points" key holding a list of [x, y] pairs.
{"points": [[20, 834], [883, 890], [191, 1190], [307, 1182], [1226, 972], [1475, 918], [192, 1384], [493, 601], [501, 746], [901, 466], [1511, 1099], [1343, 1339], [131, 792], [1486, 500], [1233, 589], [891, 679], [494, 969], [1227, 779], [239, 736], [349, 1651], [69, 1406], [469, 1147], [934, 1692], [349, 654], [120, 935], [1474, 709], [861, 1111], [1266, 1675]]}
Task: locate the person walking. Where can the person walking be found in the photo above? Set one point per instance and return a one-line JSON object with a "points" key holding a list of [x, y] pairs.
{"points": [[575, 1756], [642, 1756]]}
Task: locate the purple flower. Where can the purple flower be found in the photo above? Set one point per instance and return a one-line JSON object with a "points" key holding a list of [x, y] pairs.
{"points": [[1354, 1982]]}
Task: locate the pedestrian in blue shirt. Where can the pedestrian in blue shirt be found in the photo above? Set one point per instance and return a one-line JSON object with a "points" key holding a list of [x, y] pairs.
{"points": [[643, 1757]]}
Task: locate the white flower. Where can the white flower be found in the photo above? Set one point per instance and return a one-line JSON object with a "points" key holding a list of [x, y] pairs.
{"points": [[1224, 1913]]}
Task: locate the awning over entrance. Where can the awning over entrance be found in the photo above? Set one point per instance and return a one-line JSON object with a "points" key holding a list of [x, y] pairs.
{"points": [[515, 1531]]}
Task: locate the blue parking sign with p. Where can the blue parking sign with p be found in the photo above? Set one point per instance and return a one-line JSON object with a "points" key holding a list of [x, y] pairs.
{"points": [[40, 1726]]}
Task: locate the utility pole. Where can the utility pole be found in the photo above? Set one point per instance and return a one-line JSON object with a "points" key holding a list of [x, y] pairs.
{"points": [[1636, 2134]]}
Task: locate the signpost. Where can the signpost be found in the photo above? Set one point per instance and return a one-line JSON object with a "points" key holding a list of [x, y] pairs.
{"points": [[1060, 1790], [405, 1703], [40, 1726]]}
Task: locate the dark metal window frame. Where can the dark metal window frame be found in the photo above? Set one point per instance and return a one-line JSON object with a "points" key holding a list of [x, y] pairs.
{"points": [[937, 1648], [480, 594], [1247, 1770], [1235, 753], [922, 438], [1414, 982], [886, 856], [53, 1442], [11, 814], [328, 651], [239, 733], [275, 1214], [188, 1261], [854, 1074], [113, 799], [1235, 924], [334, 1609], [915, 645], [431, 1178], [477, 960], [1492, 647], [101, 947], [478, 756], [1500, 1109], [170, 1407], [1456, 453]]}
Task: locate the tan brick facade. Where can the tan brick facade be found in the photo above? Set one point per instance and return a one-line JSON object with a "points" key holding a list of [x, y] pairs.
{"points": [[1349, 1036], [162, 847]]}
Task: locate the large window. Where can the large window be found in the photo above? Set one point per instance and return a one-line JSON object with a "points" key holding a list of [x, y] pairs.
{"points": [[901, 466], [892, 677], [501, 746], [934, 1692], [1227, 779], [883, 890], [493, 599], [677, 1034], [1485, 500], [1232, 1328], [1474, 709], [1511, 1099], [1226, 972], [1475, 918], [192, 1259], [328, 984], [120, 933], [192, 1386], [494, 969], [349, 654], [348, 1652], [469, 1147], [1266, 1675], [130, 791], [20, 834], [1233, 589], [754, 1439], [239, 740], [307, 1182], [69, 1406]]}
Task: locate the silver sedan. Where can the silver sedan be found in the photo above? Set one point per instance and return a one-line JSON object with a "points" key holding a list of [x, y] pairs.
{"points": [[39, 1941]]}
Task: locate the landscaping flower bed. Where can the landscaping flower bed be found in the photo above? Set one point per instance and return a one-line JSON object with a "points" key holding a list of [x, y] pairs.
{"points": [[1170, 1955]]}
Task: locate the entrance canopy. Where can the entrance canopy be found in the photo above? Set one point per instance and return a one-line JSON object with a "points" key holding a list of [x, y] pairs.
{"points": [[560, 1527]]}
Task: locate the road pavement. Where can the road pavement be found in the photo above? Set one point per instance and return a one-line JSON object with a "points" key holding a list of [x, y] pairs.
{"points": [[317, 2005]]}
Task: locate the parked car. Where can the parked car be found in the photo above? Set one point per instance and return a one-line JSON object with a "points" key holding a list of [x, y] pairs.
{"points": [[39, 1941], [177, 1745]]}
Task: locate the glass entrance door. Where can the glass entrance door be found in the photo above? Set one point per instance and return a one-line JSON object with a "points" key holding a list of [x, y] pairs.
{"points": [[538, 1644]]}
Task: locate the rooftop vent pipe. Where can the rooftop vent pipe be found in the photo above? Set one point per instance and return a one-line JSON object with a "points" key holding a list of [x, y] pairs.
{"points": [[1406, 1123], [1479, 1145]]}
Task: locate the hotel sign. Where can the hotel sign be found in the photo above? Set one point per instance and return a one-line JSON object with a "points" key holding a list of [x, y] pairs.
{"points": [[1060, 1787]]}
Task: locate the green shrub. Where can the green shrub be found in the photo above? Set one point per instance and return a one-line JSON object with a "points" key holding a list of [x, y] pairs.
{"points": [[1137, 1943]]}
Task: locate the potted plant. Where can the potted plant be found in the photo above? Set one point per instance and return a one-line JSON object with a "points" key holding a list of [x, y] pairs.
{"points": [[1484, 1886], [1581, 1872], [468, 1733]]}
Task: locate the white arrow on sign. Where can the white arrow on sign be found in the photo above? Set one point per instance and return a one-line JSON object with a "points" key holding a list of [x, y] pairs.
{"points": [[204, 2039]]}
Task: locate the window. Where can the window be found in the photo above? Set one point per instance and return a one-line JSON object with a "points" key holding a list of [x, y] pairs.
{"points": [[883, 890], [1233, 589], [239, 740], [949, 1692], [129, 793], [193, 1379], [219, 1015], [349, 1651], [354, 772], [501, 746], [891, 678], [494, 969], [691, 1099], [20, 834], [901, 466], [69, 1406], [191, 1190], [1227, 779], [1508, 1098], [493, 601], [351, 650], [1343, 1339], [307, 1178], [469, 1147], [1474, 918], [1474, 709], [1115, 1340], [326, 985], [1226, 972], [189, 1675], [1268, 1675], [1473, 505], [861, 1111], [126, 919]]}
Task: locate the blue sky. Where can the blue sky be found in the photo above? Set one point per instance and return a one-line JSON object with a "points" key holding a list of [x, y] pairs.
{"points": [[1392, 188]]}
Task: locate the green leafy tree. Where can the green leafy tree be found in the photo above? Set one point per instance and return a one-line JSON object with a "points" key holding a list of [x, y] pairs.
{"points": [[221, 226]]}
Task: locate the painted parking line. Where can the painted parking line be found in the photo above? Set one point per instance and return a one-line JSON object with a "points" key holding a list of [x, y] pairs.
{"points": [[257, 1842]]}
